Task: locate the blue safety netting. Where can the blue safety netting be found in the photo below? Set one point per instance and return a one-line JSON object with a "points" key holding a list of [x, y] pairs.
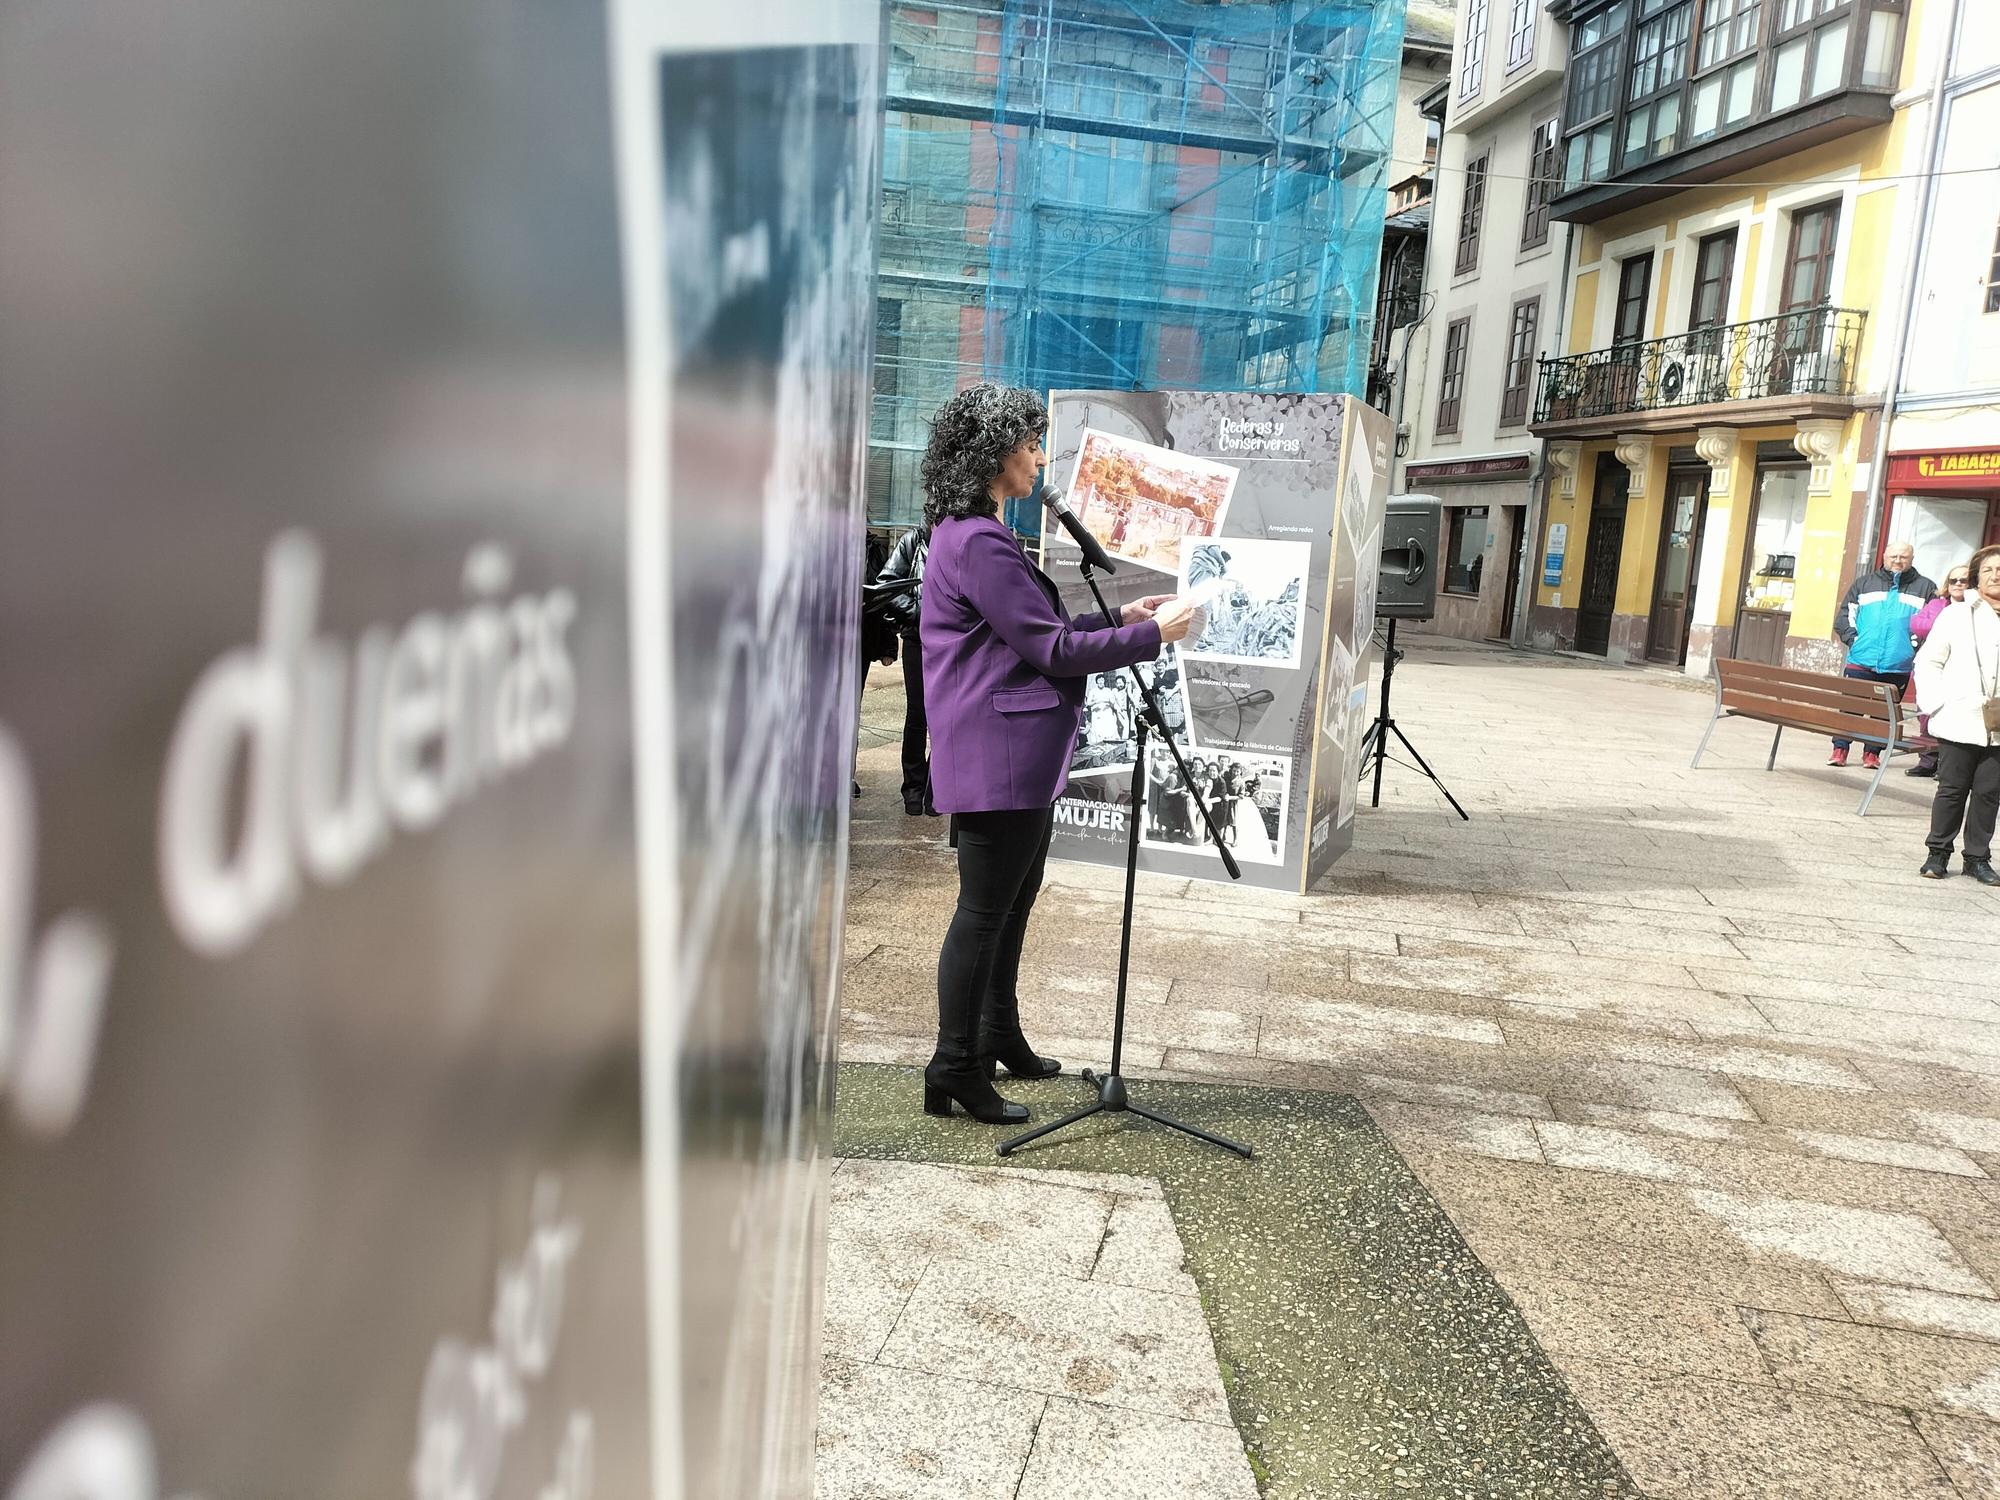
{"points": [[1126, 193]]}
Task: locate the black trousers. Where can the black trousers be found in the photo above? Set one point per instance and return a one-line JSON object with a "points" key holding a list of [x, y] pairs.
{"points": [[1968, 792], [916, 728], [1000, 860]]}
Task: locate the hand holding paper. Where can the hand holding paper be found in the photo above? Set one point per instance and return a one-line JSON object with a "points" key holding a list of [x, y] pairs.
{"points": [[1174, 617]]}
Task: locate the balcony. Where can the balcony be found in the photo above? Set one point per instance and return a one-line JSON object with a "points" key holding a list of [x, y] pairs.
{"points": [[1800, 364], [1666, 94]]}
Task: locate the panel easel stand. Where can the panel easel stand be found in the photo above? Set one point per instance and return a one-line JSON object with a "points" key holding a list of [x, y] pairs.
{"points": [[1375, 744], [1112, 1094]]}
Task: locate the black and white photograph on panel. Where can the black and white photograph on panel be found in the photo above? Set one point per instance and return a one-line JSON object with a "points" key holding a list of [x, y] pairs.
{"points": [[1226, 708], [1247, 795], [1364, 543], [1108, 738], [1340, 663], [1353, 730], [1252, 594]]}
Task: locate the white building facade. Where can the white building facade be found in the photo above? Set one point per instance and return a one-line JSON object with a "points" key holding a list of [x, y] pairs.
{"points": [[1942, 482], [1495, 287]]}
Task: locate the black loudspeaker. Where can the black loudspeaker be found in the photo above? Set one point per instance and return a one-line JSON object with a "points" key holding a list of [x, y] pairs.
{"points": [[1411, 558]]}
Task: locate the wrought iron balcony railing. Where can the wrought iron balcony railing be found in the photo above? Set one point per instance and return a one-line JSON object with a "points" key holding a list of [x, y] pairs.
{"points": [[1812, 353]]}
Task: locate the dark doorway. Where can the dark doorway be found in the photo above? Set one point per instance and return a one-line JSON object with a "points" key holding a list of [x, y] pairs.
{"points": [[1516, 515], [1678, 566], [1600, 557]]}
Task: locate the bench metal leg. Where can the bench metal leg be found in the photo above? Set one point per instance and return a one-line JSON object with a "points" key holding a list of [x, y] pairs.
{"points": [[1869, 795], [1695, 764], [1771, 762]]}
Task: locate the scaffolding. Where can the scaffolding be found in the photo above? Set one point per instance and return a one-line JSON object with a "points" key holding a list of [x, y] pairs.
{"points": [[1150, 194]]}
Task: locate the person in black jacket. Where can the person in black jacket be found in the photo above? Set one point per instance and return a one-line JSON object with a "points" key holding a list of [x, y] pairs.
{"points": [[906, 560], [877, 635]]}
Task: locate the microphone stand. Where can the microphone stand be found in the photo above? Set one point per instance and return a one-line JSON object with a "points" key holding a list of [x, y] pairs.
{"points": [[1112, 1095]]}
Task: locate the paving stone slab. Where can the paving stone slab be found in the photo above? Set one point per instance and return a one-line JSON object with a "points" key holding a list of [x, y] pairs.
{"points": [[1969, 1450], [1661, 1334], [1929, 1312], [1109, 1454], [1922, 1371], [1858, 1242], [887, 1434], [983, 1218], [1061, 1336], [1695, 1439]]}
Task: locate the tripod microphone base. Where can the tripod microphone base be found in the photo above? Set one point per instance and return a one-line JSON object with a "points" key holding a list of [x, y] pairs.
{"points": [[1114, 1098]]}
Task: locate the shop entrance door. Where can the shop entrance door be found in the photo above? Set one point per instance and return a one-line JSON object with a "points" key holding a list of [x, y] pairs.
{"points": [[1515, 520], [1600, 557], [1678, 566]]}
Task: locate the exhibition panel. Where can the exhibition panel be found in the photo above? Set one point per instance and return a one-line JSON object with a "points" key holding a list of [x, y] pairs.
{"points": [[430, 478], [1268, 510]]}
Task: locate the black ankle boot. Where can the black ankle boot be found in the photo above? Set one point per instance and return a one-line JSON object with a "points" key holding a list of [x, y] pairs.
{"points": [[1018, 1058], [974, 1095]]}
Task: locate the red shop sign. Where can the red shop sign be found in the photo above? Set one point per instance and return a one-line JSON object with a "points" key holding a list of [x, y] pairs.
{"points": [[1466, 468], [1963, 469]]}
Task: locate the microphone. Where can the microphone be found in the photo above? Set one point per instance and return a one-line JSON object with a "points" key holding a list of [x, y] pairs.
{"points": [[1094, 555]]}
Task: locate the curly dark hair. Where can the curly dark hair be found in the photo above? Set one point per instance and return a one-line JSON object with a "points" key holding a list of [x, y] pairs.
{"points": [[971, 436]]}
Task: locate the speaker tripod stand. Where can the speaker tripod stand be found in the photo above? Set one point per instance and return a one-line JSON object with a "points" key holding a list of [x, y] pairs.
{"points": [[1375, 744]]}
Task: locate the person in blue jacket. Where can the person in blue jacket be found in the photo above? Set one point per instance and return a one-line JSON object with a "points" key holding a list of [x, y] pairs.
{"points": [[1873, 623]]}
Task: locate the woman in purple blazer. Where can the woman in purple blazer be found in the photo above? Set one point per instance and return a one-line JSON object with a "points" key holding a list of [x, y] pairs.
{"points": [[1004, 671]]}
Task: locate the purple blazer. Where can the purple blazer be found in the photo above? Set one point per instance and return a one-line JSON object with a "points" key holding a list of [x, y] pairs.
{"points": [[1004, 670]]}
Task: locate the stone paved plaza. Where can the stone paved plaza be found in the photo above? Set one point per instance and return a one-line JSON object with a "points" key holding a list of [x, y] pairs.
{"points": [[1701, 1072]]}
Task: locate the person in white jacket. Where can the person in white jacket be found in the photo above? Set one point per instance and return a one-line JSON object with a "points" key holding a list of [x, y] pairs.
{"points": [[1958, 685]]}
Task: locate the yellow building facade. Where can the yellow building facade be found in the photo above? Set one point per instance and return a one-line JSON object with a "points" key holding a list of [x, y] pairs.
{"points": [[1712, 408]]}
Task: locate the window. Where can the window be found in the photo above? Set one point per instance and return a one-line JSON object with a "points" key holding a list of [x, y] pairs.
{"points": [[1544, 165], [1472, 62], [1595, 44], [1728, 29], [1993, 276], [1519, 372], [888, 348], [1635, 277], [1777, 527], [1470, 212], [1520, 33], [1653, 86], [1725, 66], [1945, 530], [1809, 258], [1714, 268], [1433, 134], [1465, 551], [1810, 58], [1451, 380], [1883, 54]]}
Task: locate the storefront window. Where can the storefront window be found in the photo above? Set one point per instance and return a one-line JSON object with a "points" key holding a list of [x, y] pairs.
{"points": [[1945, 531], [1777, 531], [1465, 555]]}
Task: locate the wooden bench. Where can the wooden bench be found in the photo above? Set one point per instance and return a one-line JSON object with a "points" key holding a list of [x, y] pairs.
{"points": [[1852, 708]]}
